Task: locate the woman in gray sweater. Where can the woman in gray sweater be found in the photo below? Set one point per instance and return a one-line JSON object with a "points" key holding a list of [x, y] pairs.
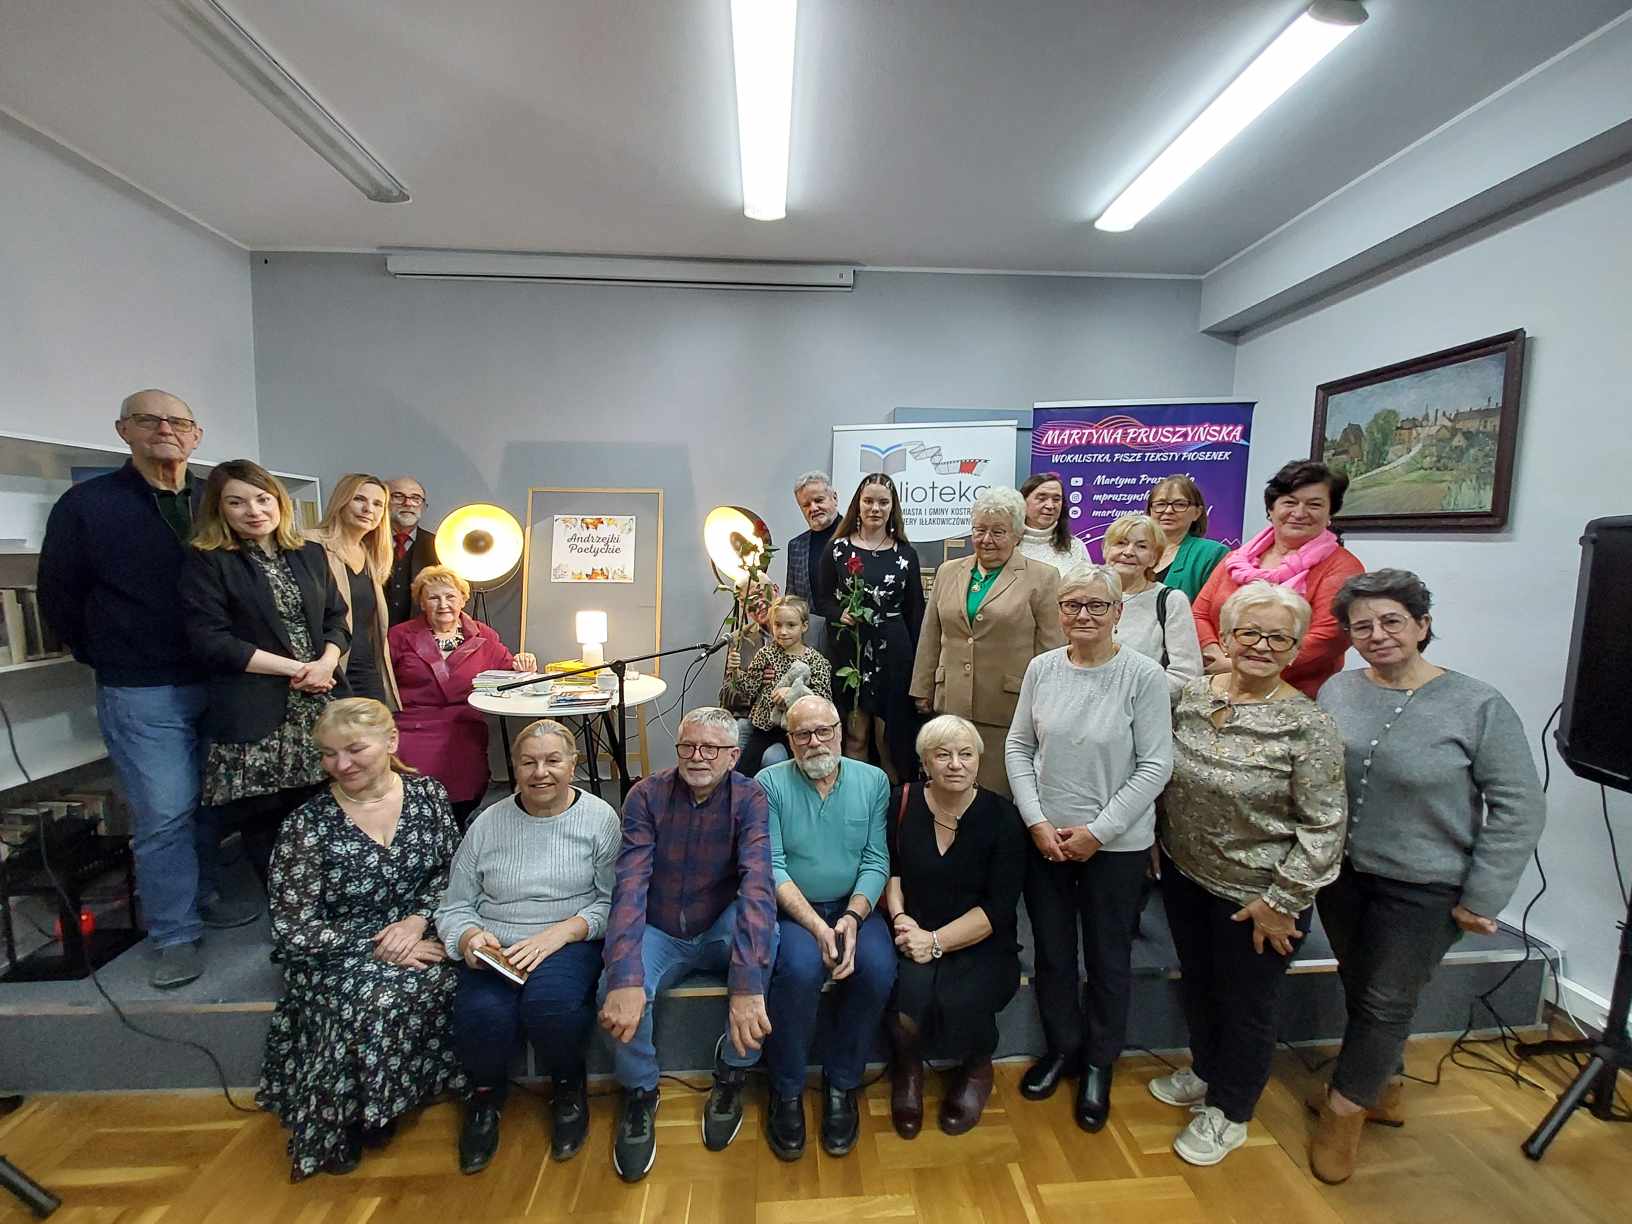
{"points": [[1445, 809], [531, 886], [1090, 748]]}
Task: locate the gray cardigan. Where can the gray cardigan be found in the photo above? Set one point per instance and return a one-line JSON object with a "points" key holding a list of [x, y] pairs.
{"points": [[516, 874], [1442, 786]]}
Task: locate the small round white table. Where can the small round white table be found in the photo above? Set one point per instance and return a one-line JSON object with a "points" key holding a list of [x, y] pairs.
{"points": [[638, 690]]}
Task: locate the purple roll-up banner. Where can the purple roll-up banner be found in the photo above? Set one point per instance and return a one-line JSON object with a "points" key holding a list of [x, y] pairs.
{"points": [[1112, 453]]}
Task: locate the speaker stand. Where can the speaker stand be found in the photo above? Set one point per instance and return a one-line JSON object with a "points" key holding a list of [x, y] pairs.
{"points": [[1607, 1058]]}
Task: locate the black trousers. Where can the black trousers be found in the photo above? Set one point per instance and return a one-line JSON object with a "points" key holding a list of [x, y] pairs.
{"points": [[1231, 993], [753, 752], [954, 1001], [258, 819], [1389, 936], [1086, 1015]]}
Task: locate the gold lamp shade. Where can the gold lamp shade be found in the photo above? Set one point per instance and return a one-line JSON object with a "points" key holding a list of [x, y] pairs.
{"points": [[733, 537], [480, 543]]}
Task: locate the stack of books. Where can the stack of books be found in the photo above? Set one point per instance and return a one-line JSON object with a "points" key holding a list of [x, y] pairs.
{"points": [[489, 681]]}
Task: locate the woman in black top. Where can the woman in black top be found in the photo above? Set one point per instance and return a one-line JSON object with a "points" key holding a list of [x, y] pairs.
{"points": [[870, 564], [267, 623], [356, 534], [958, 856]]}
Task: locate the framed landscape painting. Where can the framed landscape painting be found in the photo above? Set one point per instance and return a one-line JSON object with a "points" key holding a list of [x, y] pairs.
{"points": [[1427, 443]]}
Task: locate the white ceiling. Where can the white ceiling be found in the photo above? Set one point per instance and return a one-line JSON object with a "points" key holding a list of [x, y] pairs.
{"points": [[937, 133]]}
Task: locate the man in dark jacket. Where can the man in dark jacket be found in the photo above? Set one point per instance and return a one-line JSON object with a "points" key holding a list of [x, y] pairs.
{"points": [[108, 571], [412, 547]]}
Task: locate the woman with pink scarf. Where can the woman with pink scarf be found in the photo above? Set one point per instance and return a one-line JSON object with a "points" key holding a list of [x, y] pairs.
{"points": [[1298, 551]]}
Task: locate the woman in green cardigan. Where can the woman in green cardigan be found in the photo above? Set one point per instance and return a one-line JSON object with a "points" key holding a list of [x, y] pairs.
{"points": [[1188, 556]]}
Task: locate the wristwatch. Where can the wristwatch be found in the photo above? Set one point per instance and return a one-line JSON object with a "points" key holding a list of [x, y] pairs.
{"points": [[935, 951]]}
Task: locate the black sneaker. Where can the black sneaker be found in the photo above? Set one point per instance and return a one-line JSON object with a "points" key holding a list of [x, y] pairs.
{"points": [[569, 1118], [634, 1147], [479, 1136], [785, 1126], [722, 1116], [841, 1120]]}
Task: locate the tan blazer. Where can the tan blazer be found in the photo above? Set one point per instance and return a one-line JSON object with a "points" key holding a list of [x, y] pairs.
{"points": [[975, 669], [377, 631]]}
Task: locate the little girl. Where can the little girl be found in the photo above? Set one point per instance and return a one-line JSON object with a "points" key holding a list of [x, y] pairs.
{"points": [[767, 685]]}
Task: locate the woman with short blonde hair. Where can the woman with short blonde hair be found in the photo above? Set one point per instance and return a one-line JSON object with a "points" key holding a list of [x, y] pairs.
{"points": [[957, 862], [361, 1035], [1156, 619], [436, 657], [530, 888]]}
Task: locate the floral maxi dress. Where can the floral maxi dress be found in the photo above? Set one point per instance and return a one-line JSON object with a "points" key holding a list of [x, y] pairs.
{"points": [[356, 1041]]}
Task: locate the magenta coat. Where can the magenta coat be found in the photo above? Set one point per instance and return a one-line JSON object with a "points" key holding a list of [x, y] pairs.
{"points": [[441, 734]]}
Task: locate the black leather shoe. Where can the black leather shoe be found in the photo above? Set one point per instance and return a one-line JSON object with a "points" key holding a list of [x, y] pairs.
{"points": [[479, 1137], [1044, 1076], [1093, 1098], [569, 1118], [349, 1156], [785, 1126], [841, 1120]]}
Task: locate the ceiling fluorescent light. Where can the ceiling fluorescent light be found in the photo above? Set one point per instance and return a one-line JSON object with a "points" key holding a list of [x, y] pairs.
{"points": [[762, 36], [616, 270], [235, 49], [1301, 46]]}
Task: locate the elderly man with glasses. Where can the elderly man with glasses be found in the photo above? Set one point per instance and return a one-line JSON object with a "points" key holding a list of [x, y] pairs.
{"points": [[109, 567], [830, 861], [412, 547], [692, 891]]}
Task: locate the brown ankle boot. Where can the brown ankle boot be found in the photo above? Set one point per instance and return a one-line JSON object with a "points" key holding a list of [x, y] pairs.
{"points": [[1335, 1145], [1389, 1110], [966, 1099], [906, 1083]]}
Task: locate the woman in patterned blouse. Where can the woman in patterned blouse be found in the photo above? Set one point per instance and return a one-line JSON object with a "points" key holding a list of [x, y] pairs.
{"points": [[361, 1035], [1251, 827]]}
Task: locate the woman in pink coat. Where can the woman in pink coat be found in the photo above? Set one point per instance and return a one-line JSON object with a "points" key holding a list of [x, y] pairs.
{"points": [[436, 656]]}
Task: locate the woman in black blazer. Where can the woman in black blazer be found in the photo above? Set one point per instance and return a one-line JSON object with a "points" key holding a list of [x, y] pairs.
{"points": [[267, 621]]}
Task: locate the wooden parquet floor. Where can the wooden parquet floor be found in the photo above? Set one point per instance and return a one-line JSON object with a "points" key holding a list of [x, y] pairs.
{"points": [[186, 1158]]}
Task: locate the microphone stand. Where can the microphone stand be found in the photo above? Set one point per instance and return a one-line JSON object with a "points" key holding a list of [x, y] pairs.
{"points": [[618, 667]]}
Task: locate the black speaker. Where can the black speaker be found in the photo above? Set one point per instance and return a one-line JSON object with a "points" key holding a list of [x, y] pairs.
{"points": [[1595, 733]]}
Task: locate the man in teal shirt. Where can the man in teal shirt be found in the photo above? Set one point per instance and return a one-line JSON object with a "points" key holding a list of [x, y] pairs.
{"points": [[829, 863]]}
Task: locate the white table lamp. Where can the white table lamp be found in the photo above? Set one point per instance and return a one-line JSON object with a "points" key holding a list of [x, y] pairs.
{"points": [[591, 627]]}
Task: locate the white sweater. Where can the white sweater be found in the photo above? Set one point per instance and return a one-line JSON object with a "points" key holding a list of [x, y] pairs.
{"points": [[1138, 629], [1039, 546]]}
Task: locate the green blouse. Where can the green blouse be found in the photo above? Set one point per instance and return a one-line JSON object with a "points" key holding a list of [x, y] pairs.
{"points": [[979, 584], [1192, 565]]}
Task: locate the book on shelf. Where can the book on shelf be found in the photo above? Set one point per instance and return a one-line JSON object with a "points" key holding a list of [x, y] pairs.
{"points": [[495, 959], [11, 611]]}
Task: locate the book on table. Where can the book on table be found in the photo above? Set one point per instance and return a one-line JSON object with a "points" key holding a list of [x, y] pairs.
{"points": [[496, 960]]}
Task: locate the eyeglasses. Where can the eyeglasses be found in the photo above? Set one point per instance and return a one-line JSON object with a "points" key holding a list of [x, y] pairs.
{"points": [[814, 735], [1159, 507], [180, 426], [1275, 641], [703, 752], [407, 499], [1095, 607], [1392, 623]]}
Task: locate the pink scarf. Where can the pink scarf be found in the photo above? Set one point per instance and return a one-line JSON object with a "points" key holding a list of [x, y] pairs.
{"points": [[1292, 572]]}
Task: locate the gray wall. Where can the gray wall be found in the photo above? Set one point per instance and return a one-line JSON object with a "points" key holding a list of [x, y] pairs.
{"points": [[1504, 600], [484, 389]]}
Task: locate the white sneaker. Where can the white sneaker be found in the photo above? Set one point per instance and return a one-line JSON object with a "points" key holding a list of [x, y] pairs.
{"points": [[1182, 1088], [1210, 1136]]}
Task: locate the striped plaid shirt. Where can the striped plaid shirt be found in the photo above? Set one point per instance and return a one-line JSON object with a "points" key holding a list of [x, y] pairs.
{"points": [[682, 864]]}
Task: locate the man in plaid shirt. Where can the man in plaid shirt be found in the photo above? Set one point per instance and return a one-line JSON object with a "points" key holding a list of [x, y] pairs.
{"points": [[693, 891]]}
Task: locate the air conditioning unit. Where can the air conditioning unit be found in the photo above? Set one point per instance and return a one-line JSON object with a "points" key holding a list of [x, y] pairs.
{"points": [[617, 270]]}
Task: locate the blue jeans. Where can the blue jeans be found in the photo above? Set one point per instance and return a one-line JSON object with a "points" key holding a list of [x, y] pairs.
{"points": [[555, 1010], [154, 742], [796, 994], [664, 960]]}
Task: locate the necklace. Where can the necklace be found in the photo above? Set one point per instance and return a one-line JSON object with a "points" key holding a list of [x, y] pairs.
{"points": [[389, 792]]}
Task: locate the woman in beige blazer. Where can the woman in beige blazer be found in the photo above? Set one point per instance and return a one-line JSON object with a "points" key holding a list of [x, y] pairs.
{"points": [[989, 616]]}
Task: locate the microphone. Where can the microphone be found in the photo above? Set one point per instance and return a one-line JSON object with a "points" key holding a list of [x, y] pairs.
{"points": [[715, 648]]}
